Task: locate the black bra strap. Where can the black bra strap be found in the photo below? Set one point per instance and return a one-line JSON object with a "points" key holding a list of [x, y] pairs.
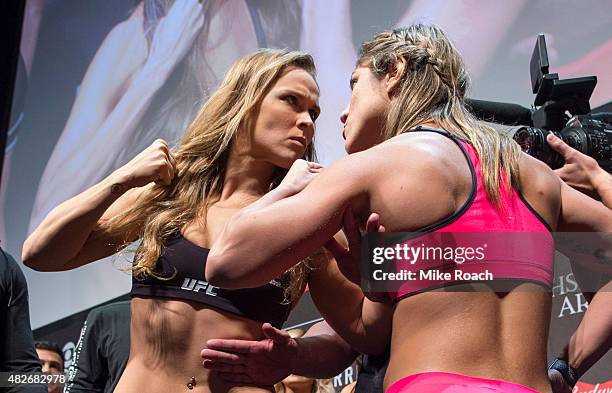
{"points": [[437, 131]]}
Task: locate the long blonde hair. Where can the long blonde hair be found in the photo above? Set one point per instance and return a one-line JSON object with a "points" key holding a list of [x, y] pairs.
{"points": [[433, 87], [202, 156]]}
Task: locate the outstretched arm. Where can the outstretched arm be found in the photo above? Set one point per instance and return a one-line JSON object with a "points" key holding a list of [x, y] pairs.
{"points": [[72, 235], [320, 353], [579, 213], [593, 338], [259, 244], [291, 229]]}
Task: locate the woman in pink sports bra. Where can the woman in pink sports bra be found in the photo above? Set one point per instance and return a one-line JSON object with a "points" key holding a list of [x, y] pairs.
{"points": [[423, 163]]}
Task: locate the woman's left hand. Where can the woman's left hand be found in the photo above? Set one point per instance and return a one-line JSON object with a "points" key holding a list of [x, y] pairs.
{"points": [[348, 259], [300, 175]]}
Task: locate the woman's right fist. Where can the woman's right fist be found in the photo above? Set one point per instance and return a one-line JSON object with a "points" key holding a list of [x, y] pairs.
{"points": [[153, 164], [301, 174]]}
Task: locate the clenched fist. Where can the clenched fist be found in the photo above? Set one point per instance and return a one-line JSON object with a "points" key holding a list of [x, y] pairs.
{"points": [[153, 164], [300, 174]]}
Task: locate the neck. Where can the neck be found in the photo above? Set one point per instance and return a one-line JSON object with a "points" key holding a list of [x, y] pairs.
{"points": [[246, 179]]}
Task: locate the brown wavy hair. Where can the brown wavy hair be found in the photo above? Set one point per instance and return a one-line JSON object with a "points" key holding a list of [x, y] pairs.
{"points": [[201, 159], [433, 87]]}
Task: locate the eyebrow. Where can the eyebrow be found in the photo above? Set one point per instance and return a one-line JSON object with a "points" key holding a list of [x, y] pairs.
{"points": [[301, 96]]}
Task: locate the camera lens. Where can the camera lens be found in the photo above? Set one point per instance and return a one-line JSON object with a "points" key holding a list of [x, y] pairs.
{"points": [[526, 140], [533, 142], [576, 138]]}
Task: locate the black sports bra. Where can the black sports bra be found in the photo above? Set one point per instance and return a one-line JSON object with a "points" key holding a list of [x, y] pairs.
{"points": [[187, 261]]}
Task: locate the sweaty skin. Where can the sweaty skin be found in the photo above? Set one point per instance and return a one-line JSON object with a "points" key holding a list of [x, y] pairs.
{"points": [[411, 181]]}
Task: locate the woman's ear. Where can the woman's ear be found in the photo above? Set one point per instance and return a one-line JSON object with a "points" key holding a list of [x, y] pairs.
{"points": [[395, 75]]}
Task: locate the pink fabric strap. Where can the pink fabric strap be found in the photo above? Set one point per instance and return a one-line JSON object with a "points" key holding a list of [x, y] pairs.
{"points": [[442, 382]]}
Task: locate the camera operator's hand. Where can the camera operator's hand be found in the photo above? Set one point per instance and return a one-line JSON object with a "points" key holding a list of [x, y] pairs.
{"points": [[581, 171], [348, 259]]}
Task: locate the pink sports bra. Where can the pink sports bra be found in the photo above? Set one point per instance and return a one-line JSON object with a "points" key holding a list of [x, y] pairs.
{"points": [[510, 242]]}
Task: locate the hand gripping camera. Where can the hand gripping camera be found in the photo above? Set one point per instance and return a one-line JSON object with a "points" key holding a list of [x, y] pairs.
{"points": [[563, 109]]}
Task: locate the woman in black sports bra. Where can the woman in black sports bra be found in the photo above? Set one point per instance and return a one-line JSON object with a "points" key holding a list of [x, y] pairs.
{"points": [[243, 139]]}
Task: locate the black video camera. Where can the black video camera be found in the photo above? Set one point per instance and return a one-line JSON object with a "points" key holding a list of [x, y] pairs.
{"points": [[589, 133]]}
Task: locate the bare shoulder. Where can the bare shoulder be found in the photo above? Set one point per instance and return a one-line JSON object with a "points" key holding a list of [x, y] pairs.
{"points": [[538, 181], [422, 173], [533, 170], [430, 157], [414, 152]]}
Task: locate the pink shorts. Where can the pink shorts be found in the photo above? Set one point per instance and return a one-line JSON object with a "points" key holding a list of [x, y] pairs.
{"points": [[441, 382]]}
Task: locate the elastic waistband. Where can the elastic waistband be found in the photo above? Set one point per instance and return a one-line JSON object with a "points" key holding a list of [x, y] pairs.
{"points": [[436, 382]]}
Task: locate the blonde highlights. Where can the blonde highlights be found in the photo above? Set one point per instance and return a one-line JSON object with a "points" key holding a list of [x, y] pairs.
{"points": [[201, 157], [433, 87]]}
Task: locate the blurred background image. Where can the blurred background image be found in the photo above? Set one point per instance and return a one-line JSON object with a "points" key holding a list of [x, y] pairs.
{"points": [[98, 81]]}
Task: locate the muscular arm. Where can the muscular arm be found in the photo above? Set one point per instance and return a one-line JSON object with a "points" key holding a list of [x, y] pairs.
{"points": [[364, 324], [593, 338], [70, 236], [603, 188], [291, 229], [308, 219], [73, 234], [579, 213], [319, 343], [296, 227]]}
